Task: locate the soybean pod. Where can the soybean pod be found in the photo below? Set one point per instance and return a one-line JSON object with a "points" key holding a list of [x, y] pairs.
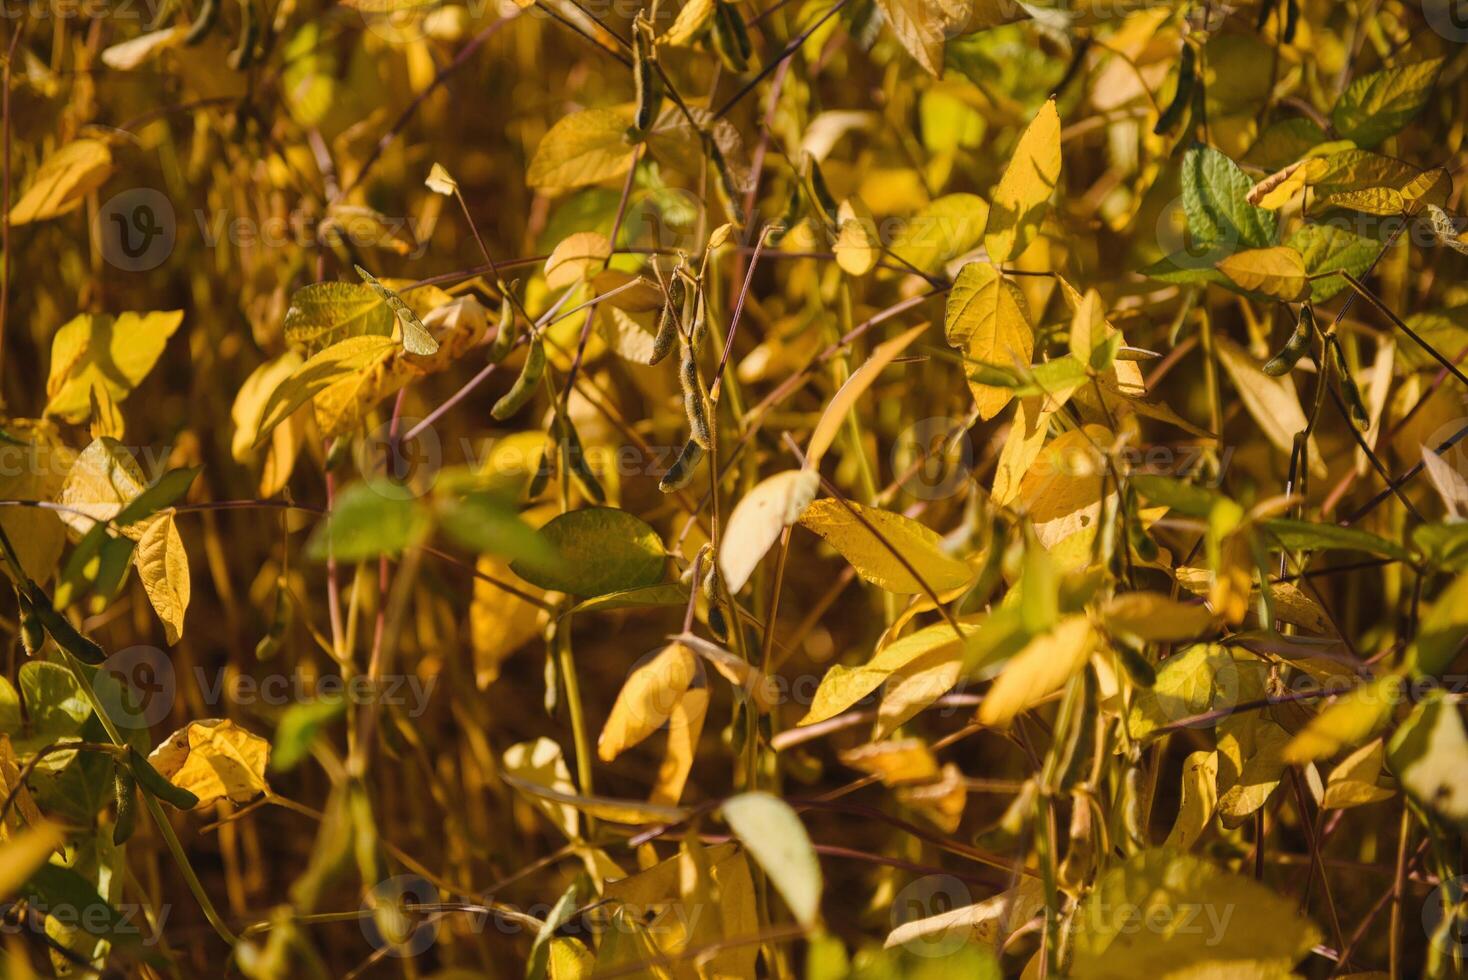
{"points": [[124, 789], [662, 343], [1186, 79], [524, 387], [505, 333], [695, 399], [1294, 348], [682, 469], [1350, 391], [203, 23], [574, 457], [730, 39], [648, 84], [32, 633], [820, 193], [243, 54], [152, 780], [728, 188]]}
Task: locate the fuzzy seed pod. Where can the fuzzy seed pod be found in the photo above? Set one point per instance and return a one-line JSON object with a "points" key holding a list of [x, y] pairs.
{"points": [[695, 399], [682, 469], [662, 344], [505, 333], [203, 23], [524, 386], [1186, 79], [1294, 348]]}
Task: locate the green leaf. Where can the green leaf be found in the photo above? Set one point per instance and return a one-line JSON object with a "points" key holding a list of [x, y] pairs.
{"points": [[324, 313], [1162, 912], [1429, 754], [1442, 630], [165, 492], [1299, 535], [1185, 498], [56, 706], [375, 517], [1332, 248], [1215, 198], [1376, 105], [489, 525], [596, 551], [298, 728], [776, 838], [115, 354]]}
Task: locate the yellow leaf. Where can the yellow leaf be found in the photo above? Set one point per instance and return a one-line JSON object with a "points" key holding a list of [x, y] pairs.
{"points": [[1023, 195], [1277, 271], [95, 349], [986, 317], [986, 923], [101, 480], [903, 760], [916, 685], [24, 853], [774, 504], [1272, 402], [1021, 446], [1255, 933], [285, 440], [500, 622], [688, 24], [63, 181], [917, 27], [569, 959], [215, 760], [1061, 491], [685, 725], [943, 230], [1348, 721], [838, 409], [1278, 189], [1250, 764], [130, 54], [37, 465], [1200, 797], [1355, 779], [1040, 669], [858, 245], [647, 699], [942, 802], [336, 363], [541, 763], [13, 786], [844, 686], [576, 258], [586, 147], [163, 568], [1155, 617], [873, 560]]}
